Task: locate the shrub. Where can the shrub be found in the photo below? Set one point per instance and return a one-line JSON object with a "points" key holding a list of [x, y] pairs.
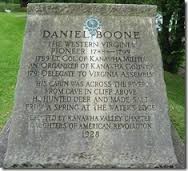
{"points": [[12, 7]]}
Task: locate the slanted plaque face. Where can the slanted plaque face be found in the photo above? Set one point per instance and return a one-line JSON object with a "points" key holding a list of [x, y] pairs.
{"points": [[90, 91]]}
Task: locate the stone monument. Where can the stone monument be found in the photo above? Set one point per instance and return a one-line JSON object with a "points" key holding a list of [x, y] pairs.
{"points": [[90, 91]]}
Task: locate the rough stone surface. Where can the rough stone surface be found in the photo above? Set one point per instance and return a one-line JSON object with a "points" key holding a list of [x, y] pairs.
{"points": [[94, 9], [90, 91], [180, 149], [179, 146], [3, 141]]}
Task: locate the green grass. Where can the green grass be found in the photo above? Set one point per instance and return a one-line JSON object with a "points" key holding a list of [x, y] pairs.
{"points": [[11, 37], [176, 99]]}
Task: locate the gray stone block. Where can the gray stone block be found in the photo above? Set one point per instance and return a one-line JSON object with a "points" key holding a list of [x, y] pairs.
{"points": [[90, 90]]}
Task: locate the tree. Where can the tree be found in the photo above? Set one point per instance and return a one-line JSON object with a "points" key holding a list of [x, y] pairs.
{"points": [[172, 34], [23, 3]]}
